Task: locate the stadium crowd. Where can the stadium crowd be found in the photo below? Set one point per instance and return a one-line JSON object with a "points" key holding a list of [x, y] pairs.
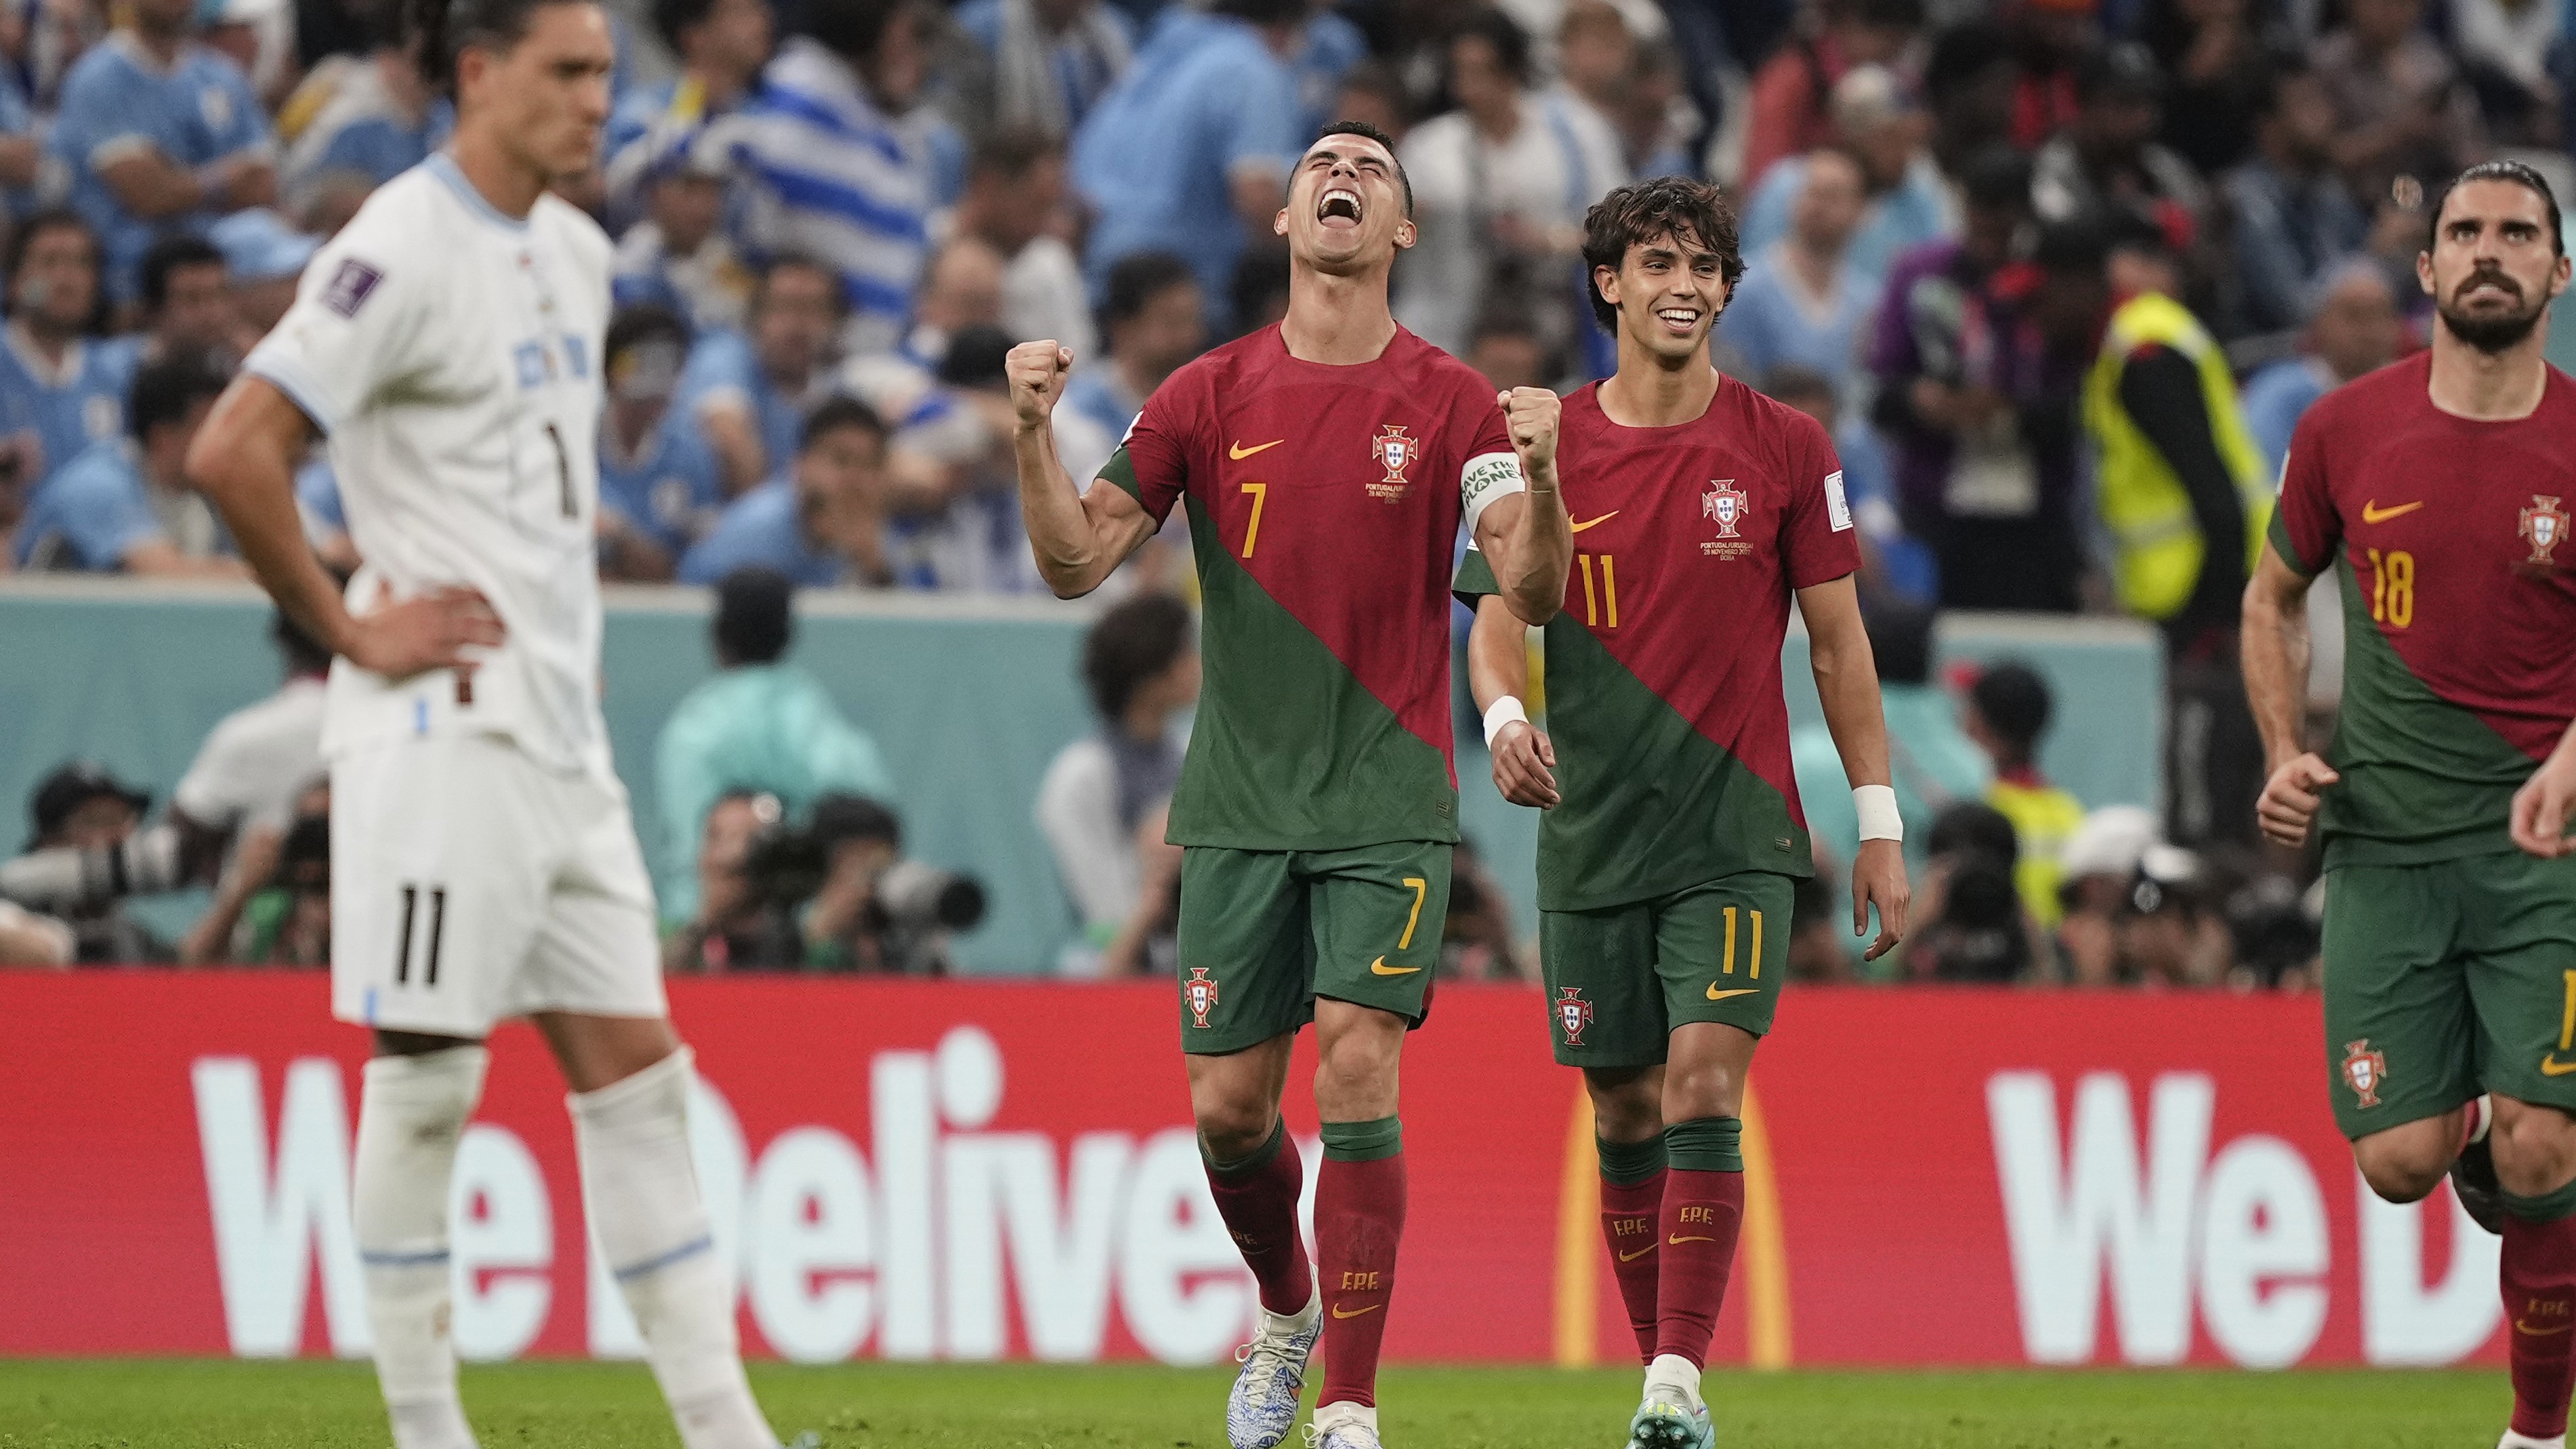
{"points": [[2058, 275]]}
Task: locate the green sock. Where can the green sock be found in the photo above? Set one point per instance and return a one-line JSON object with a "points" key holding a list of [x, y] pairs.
{"points": [[1253, 1161], [1625, 1164], [1705, 1144], [1363, 1141]]}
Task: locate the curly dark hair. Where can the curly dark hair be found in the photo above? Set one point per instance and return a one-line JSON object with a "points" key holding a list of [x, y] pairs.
{"points": [[1692, 212]]}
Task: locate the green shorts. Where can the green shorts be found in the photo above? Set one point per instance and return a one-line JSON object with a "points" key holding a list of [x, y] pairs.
{"points": [[1619, 980], [2445, 980], [1265, 932]]}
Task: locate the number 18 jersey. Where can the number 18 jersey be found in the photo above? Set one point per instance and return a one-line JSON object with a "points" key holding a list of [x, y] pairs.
{"points": [[452, 354]]}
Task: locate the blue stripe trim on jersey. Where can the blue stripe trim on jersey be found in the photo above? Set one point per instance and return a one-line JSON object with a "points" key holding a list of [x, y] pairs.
{"points": [[425, 1259], [839, 198], [444, 168], [776, 100], [654, 1265]]}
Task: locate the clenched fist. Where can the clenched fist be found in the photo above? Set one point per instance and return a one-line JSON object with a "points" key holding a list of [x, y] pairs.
{"points": [[1530, 415], [1037, 372]]}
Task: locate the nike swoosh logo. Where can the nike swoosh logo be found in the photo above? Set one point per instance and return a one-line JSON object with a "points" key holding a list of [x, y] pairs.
{"points": [[1372, 1308], [1641, 1252], [2371, 512], [2521, 1327], [1716, 995], [1379, 967], [1694, 1240], [2551, 1066], [1238, 452], [1604, 518]]}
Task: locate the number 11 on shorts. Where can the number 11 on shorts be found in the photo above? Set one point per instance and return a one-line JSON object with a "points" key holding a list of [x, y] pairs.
{"points": [[437, 927]]}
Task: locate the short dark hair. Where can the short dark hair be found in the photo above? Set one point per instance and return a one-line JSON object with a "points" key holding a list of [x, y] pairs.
{"points": [[835, 413], [168, 255], [852, 29], [445, 27], [1974, 830], [839, 818], [670, 17], [2015, 703], [1511, 43], [1261, 12], [1996, 175], [1900, 640], [797, 261], [1693, 212], [22, 239], [642, 322], [1367, 132], [1136, 280], [164, 391], [2516, 172], [1132, 643], [1013, 152], [1260, 276], [755, 616], [1961, 54]]}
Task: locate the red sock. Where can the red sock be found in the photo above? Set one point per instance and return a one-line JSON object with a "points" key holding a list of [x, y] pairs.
{"points": [[1701, 1213], [1629, 1225], [1259, 1205], [1359, 1217], [2540, 1303]]}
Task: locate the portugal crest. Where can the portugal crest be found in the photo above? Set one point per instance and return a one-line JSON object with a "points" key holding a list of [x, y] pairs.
{"points": [[1396, 451], [1200, 993], [2364, 1070], [1573, 1013], [1723, 503], [2544, 527]]}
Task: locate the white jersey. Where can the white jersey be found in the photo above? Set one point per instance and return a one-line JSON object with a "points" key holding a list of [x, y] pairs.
{"points": [[452, 355]]}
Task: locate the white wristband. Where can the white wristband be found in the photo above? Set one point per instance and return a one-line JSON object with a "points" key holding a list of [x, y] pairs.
{"points": [[1506, 710], [1876, 807]]}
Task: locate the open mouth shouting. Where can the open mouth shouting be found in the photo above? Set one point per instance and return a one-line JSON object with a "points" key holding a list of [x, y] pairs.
{"points": [[1338, 209]]}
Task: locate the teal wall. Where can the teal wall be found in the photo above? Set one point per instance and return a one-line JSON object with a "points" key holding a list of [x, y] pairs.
{"points": [[969, 701]]}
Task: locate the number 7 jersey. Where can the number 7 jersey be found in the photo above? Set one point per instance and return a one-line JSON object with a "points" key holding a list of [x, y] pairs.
{"points": [[451, 355], [1324, 506]]}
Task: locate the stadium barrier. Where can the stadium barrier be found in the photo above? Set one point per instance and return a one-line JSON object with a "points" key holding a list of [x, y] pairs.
{"points": [[964, 1171]]}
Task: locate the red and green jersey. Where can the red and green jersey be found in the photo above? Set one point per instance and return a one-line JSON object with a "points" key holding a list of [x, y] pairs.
{"points": [[2448, 540], [1324, 505], [1663, 669]]}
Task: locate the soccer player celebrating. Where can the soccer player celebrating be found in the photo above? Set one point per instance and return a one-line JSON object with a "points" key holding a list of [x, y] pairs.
{"points": [[2437, 490], [483, 861], [1326, 464], [1673, 837]]}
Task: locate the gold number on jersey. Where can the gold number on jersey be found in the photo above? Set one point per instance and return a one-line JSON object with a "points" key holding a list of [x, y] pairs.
{"points": [[1252, 531], [1729, 967], [1605, 599], [2392, 588], [1422, 888]]}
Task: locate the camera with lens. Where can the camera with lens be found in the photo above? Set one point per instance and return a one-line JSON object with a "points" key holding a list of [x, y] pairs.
{"points": [[850, 848]]}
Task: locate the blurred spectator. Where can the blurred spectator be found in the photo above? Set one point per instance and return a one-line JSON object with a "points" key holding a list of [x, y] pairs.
{"points": [[60, 390], [2050, 37], [659, 483], [287, 921], [678, 256], [2220, 65], [2007, 716], [2506, 49], [1147, 943], [186, 310], [1932, 763], [1596, 53], [875, 911], [1016, 192], [2166, 931], [2295, 220], [1476, 936], [1140, 666], [749, 393], [960, 288], [1969, 83], [1190, 152], [264, 257], [1373, 92], [1978, 364], [1156, 320], [1259, 289], [734, 923], [157, 130], [125, 505], [958, 498], [247, 792], [721, 46], [759, 726], [1654, 116], [1908, 202], [832, 166], [29, 938], [1971, 928], [370, 115], [1821, 921], [822, 524], [1508, 350], [1046, 62], [1891, 561], [2400, 109], [2108, 158], [1500, 187], [2097, 872], [1791, 90], [2183, 493], [1328, 48], [82, 807], [22, 147], [1800, 301], [2353, 328]]}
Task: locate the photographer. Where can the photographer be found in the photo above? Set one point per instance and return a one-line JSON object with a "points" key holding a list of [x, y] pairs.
{"points": [[737, 927], [86, 856], [832, 896]]}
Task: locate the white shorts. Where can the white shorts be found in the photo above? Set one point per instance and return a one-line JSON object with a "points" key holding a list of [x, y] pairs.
{"points": [[470, 884]]}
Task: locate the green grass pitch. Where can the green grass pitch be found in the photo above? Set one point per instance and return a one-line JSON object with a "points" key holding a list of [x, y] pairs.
{"points": [[148, 1404]]}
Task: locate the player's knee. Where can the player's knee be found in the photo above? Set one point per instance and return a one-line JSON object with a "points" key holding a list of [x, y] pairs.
{"points": [[2535, 1148], [1627, 1104], [2401, 1168], [1231, 1125]]}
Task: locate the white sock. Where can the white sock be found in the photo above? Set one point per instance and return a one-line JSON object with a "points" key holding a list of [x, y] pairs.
{"points": [[2512, 1440], [1672, 1371], [411, 1113], [1342, 1412], [1299, 1321], [642, 1195]]}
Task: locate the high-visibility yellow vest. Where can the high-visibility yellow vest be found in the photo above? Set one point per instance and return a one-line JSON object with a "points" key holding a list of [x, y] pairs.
{"points": [[2141, 500]]}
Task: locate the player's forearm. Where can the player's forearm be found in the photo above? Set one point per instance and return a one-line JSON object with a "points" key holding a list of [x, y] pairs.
{"points": [[2273, 652], [1846, 679], [1497, 655], [1069, 555], [1537, 552], [245, 468]]}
